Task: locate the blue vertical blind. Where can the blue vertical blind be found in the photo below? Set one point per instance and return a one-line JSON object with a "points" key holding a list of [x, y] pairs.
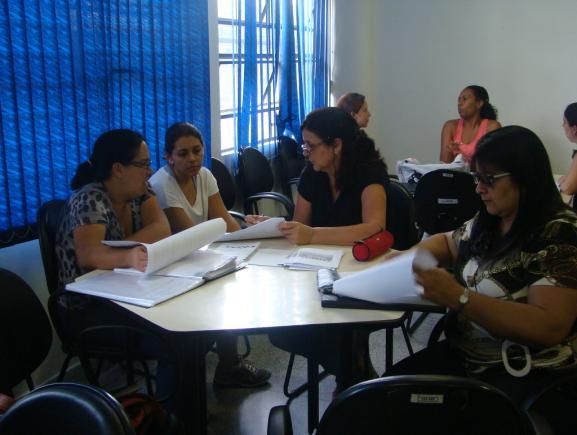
{"points": [[279, 57], [74, 69]]}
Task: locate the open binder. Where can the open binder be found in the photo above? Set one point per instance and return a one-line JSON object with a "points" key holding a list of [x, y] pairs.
{"points": [[175, 266], [389, 285]]}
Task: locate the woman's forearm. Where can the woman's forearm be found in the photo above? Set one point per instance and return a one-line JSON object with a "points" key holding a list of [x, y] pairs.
{"points": [[343, 235]]}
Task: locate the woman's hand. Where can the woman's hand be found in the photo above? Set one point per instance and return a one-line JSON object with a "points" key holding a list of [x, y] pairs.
{"points": [[297, 233], [439, 286], [253, 219], [138, 258]]}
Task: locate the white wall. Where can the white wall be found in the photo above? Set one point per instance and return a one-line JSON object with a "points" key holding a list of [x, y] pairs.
{"points": [[412, 58]]}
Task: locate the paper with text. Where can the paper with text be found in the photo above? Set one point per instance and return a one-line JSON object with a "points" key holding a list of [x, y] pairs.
{"points": [[314, 259], [241, 250]]}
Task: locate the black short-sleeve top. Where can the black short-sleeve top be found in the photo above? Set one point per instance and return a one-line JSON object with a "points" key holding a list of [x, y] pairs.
{"points": [[347, 208]]}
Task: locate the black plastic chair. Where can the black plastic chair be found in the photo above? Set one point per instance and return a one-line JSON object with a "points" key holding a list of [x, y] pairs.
{"points": [[66, 409], [444, 199], [26, 334], [421, 404], [289, 164], [401, 216], [89, 345], [257, 181], [226, 187]]}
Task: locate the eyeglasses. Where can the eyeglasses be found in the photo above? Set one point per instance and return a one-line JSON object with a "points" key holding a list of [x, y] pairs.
{"points": [[310, 147], [142, 164], [488, 179]]}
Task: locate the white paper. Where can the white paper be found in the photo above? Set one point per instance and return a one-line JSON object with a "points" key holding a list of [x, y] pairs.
{"points": [[145, 291], [263, 230], [170, 249], [270, 257], [241, 250], [389, 282], [314, 259]]}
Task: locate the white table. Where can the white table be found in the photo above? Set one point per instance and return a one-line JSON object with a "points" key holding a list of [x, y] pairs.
{"points": [[253, 300]]}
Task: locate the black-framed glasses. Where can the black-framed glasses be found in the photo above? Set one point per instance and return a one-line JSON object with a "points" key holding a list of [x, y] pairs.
{"points": [[142, 164], [488, 179]]}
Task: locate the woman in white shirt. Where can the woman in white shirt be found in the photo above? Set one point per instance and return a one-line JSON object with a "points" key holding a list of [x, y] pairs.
{"points": [[188, 194]]}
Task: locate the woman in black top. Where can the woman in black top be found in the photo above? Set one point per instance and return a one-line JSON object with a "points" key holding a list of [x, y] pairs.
{"points": [[342, 193]]}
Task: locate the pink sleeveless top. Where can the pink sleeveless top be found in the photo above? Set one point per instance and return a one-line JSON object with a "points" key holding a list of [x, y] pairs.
{"points": [[468, 149]]}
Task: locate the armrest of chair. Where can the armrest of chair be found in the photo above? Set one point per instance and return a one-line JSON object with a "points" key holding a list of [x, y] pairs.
{"points": [[279, 421], [275, 196]]}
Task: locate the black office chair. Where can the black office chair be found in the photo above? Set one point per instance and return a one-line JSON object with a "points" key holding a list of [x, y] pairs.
{"points": [[256, 182], [421, 404], [66, 409], [289, 164], [226, 187], [26, 334], [401, 216], [90, 344], [444, 200]]}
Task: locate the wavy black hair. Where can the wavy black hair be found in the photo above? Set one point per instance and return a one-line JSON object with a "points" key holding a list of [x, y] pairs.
{"points": [[518, 151], [178, 130], [357, 150], [571, 114]]}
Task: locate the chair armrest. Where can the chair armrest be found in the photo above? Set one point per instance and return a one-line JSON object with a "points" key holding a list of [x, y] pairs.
{"points": [[275, 196]]}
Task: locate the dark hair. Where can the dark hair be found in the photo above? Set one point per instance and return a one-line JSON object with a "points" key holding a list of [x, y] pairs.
{"points": [[571, 114], [178, 130], [111, 147], [351, 102], [488, 111], [520, 152], [357, 150]]}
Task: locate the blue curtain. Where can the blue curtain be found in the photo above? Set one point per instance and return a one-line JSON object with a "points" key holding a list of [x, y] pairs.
{"points": [[282, 62], [72, 69]]}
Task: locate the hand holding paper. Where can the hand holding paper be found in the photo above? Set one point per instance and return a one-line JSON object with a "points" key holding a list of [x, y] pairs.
{"points": [[389, 282]]}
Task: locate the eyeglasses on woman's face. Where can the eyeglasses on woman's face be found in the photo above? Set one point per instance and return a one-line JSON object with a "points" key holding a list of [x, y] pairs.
{"points": [[142, 164], [310, 147], [488, 179]]}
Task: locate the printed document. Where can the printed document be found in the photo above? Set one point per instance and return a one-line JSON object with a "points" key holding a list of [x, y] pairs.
{"points": [[263, 230]]}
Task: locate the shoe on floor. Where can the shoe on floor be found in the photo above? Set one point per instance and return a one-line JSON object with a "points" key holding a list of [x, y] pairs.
{"points": [[244, 375]]}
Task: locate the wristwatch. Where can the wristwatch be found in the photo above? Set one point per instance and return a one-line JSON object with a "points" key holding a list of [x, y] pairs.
{"points": [[463, 300]]}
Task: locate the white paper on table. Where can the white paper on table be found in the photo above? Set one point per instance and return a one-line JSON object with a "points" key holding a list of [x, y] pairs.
{"points": [[170, 249], [389, 282], [270, 257], [263, 230], [240, 250], [314, 259]]}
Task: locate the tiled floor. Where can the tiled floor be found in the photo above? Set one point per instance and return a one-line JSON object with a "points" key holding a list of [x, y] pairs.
{"points": [[245, 411]]}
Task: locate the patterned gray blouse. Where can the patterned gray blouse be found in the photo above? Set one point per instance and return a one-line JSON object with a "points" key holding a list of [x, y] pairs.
{"points": [[90, 205]]}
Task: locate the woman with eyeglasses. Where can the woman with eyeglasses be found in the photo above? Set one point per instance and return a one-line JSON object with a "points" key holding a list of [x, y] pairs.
{"points": [[112, 200], [568, 183], [514, 288], [188, 194], [342, 197], [355, 105], [477, 116]]}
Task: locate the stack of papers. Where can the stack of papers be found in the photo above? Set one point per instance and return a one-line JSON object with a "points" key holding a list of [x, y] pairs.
{"points": [[263, 230], [175, 265]]}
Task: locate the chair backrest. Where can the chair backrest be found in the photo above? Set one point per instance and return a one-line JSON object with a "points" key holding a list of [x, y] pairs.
{"points": [[26, 334], [421, 404], [401, 216], [290, 163], [48, 219], [225, 182], [66, 409], [444, 199], [254, 172]]}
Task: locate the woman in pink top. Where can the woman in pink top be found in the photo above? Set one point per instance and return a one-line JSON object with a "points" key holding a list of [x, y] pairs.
{"points": [[477, 117]]}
